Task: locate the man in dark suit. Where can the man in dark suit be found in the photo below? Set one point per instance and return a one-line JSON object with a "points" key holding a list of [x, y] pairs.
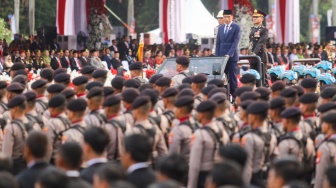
{"points": [[169, 47], [84, 59], [69, 159], [134, 47], [123, 47], [34, 155], [56, 61], [228, 37], [116, 62], [74, 61], [65, 60], [107, 58], [114, 47], [108, 174], [138, 149], [96, 140]]}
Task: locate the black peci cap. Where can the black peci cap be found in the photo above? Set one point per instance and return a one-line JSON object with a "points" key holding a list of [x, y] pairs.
{"points": [[16, 101], [57, 101], [227, 12], [77, 105]]}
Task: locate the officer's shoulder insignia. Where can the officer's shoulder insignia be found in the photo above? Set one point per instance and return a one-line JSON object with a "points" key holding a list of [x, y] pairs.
{"points": [[192, 138], [64, 139], [318, 157], [45, 129], [235, 140]]}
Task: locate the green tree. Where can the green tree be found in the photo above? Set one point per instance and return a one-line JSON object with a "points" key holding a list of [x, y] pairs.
{"points": [[5, 32]]}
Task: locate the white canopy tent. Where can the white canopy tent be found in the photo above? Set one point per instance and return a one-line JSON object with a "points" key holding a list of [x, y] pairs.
{"points": [[186, 16]]}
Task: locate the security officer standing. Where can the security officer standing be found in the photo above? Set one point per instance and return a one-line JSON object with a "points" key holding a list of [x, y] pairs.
{"points": [[76, 110], [16, 133], [182, 133], [137, 73], [114, 127], [326, 153], [140, 110], [57, 123], [95, 118], [258, 37], [204, 145], [182, 65], [220, 22]]}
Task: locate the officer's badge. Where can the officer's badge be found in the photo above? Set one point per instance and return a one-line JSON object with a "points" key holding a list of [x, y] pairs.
{"points": [[170, 138], [257, 34]]}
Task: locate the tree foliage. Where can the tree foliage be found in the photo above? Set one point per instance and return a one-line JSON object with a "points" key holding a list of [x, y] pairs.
{"points": [[5, 32]]}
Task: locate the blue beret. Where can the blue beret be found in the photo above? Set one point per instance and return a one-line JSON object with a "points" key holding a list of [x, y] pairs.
{"points": [[91, 85], [329, 117], [183, 60], [62, 77], [155, 77], [68, 93], [136, 66], [277, 103], [112, 100], [87, 69], [56, 101], [206, 106], [38, 83], [199, 78], [129, 95], [288, 92], [163, 82], [258, 107], [117, 82], [217, 82], [94, 92], [309, 98], [184, 101], [169, 92], [247, 78], [77, 105], [15, 88], [140, 101], [132, 83], [55, 88], [249, 95], [30, 95], [100, 73], [16, 101], [326, 107], [80, 80], [278, 86], [309, 83], [291, 112]]}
